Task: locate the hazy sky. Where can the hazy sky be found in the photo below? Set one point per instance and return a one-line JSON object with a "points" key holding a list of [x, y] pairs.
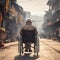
{"points": [[34, 6]]}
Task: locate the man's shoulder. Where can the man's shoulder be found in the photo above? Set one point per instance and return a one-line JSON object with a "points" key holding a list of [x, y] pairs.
{"points": [[33, 26], [29, 27]]}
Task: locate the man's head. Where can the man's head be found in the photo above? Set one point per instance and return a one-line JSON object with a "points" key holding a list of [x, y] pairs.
{"points": [[28, 21]]}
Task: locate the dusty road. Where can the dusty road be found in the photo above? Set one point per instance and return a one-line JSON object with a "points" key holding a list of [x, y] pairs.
{"points": [[49, 50]]}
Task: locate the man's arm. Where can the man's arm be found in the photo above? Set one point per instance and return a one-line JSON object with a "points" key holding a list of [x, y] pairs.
{"points": [[21, 31], [35, 31]]}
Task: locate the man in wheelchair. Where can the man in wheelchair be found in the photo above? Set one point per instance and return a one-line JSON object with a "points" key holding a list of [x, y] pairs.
{"points": [[28, 33]]}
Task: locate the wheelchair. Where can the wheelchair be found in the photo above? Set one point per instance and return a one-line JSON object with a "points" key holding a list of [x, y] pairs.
{"points": [[27, 38]]}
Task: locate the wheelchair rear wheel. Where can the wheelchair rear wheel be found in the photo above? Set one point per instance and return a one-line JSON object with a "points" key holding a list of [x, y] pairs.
{"points": [[36, 48]]}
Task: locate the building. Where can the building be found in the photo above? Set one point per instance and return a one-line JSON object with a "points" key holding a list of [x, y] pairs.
{"points": [[51, 17], [9, 12]]}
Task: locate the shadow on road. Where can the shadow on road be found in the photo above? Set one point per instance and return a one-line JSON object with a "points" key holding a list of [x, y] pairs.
{"points": [[25, 57]]}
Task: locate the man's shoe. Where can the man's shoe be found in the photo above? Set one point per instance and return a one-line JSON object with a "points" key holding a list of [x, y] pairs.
{"points": [[30, 50], [26, 50]]}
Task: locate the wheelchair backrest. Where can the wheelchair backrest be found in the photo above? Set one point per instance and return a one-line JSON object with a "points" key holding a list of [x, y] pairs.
{"points": [[28, 35]]}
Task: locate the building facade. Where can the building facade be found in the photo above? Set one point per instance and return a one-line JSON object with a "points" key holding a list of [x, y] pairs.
{"points": [[52, 18], [9, 12]]}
